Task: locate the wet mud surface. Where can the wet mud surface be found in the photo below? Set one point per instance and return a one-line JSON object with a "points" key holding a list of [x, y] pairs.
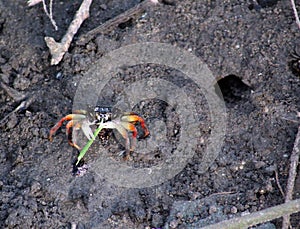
{"points": [[247, 45]]}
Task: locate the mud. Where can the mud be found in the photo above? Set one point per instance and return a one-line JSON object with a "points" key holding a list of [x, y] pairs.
{"points": [[249, 44]]}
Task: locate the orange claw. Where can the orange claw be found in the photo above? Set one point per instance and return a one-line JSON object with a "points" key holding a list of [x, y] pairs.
{"points": [[134, 118], [70, 117], [59, 124]]}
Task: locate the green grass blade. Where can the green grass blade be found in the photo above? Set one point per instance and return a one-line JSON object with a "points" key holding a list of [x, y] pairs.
{"points": [[88, 144]]}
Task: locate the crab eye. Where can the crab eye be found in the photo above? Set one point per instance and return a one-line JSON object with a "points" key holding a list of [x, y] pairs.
{"points": [[106, 110], [97, 109], [102, 110]]}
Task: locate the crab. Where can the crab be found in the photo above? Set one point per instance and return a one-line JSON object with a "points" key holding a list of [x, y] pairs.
{"points": [[103, 116]]}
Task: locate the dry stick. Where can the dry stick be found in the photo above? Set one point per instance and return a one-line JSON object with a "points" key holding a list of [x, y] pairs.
{"points": [[121, 18], [33, 2], [295, 13], [58, 49], [50, 11], [13, 93], [278, 183], [18, 97], [220, 193], [23, 106], [49, 14], [292, 176], [259, 216]]}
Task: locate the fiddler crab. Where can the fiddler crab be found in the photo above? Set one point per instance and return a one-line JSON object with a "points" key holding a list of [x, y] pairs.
{"points": [[103, 120]]}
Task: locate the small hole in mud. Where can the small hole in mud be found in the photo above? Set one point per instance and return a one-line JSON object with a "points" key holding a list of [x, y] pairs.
{"points": [[126, 24], [267, 3], [157, 156], [294, 63], [233, 89], [251, 7], [169, 2]]}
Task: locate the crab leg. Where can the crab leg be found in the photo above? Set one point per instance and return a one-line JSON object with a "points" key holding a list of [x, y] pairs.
{"points": [[60, 122], [122, 131], [129, 126], [69, 133], [134, 118]]}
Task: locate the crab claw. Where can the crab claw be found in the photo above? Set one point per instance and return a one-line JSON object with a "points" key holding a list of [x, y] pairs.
{"points": [[70, 117], [75, 120], [131, 117], [85, 126], [121, 130]]}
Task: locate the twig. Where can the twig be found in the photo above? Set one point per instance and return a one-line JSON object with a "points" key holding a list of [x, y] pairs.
{"points": [[49, 14], [278, 184], [13, 93], [292, 176], [23, 106], [121, 18], [295, 13], [221, 193], [58, 49], [259, 216], [33, 2]]}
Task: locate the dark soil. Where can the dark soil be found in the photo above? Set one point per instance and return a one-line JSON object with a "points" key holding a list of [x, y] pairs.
{"points": [[249, 44]]}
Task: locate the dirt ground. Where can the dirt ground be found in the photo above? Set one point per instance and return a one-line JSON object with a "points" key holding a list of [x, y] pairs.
{"points": [[248, 43]]}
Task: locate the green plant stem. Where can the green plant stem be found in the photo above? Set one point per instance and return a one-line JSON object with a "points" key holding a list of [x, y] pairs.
{"points": [[88, 144]]}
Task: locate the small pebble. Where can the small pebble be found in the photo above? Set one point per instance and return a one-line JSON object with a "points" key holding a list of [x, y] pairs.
{"points": [[259, 164], [103, 7], [179, 215], [174, 224], [2, 60], [234, 210], [5, 78], [35, 131], [21, 83], [157, 220], [271, 169], [59, 76], [35, 187], [13, 121], [6, 69], [212, 209], [43, 133]]}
